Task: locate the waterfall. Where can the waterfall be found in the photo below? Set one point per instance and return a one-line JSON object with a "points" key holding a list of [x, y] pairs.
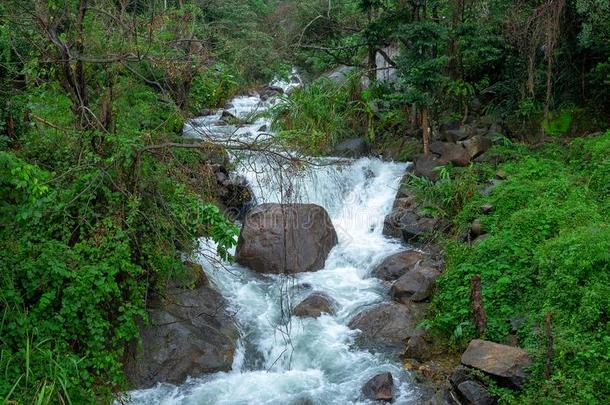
{"points": [[288, 360]]}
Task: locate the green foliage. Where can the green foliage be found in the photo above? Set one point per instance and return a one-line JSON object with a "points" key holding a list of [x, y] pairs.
{"points": [[91, 220], [318, 116], [558, 123], [548, 251], [446, 196]]}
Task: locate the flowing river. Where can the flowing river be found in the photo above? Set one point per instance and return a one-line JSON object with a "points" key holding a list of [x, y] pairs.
{"points": [[288, 360]]}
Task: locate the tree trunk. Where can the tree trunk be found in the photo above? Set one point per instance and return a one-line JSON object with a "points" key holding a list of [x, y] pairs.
{"points": [[476, 298], [372, 59], [426, 130]]}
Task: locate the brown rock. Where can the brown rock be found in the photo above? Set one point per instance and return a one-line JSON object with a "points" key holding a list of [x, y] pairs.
{"points": [[379, 388], [315, 305], [505, 363], [285, 238]]}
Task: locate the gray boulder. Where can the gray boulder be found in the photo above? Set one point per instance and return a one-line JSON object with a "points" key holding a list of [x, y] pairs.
{"points": [[190, 333], [351, 148], [451, 152], [397, 264], [285, 238], [477, 145], [475, 393], [410, 224], [388, 324], [505, 363]]}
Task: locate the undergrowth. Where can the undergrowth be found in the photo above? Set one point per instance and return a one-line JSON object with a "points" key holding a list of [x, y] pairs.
{"points": [[548, 251]]}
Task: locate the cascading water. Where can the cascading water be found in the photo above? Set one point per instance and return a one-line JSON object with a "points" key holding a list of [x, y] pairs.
{"points": [[289, 360]]}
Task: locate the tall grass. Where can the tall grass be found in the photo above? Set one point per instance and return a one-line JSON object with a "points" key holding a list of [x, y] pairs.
{"points": [[316, 117]]}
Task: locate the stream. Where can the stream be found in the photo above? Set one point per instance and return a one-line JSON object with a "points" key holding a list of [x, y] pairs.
{"points": [[288, 360]]}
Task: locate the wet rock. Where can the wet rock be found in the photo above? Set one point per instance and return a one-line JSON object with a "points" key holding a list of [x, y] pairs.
{"points": [[475, 393], [270, 91], [477, 145], [190, 333], [397, 264], [263, 128], [415, 285], [461, 374], [236, 195], [410, 225], [227, 116], [505, 363], [352, 148], [316, 304], [207, 111], [285, 238], [388, 324], [379, 388], [426, 165]]}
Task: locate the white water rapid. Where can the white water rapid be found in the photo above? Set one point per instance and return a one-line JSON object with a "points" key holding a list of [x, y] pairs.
{"points": [[289, 360]]}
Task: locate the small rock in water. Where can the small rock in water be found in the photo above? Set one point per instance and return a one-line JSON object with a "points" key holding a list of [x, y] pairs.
{"points": [[263, 128], [379, 388], [314, 305]]}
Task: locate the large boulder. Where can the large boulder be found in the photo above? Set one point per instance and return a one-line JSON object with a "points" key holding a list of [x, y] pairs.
{"points": [[191, 333], [316, 304], [388, 324], [285, 238], [397, 264], [379, 388], [505, 363]]}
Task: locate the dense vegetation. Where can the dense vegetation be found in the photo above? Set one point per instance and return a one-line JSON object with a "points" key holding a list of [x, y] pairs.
{"points": [[542, 67], [541, 70], [548, 251], [94, 214]]}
